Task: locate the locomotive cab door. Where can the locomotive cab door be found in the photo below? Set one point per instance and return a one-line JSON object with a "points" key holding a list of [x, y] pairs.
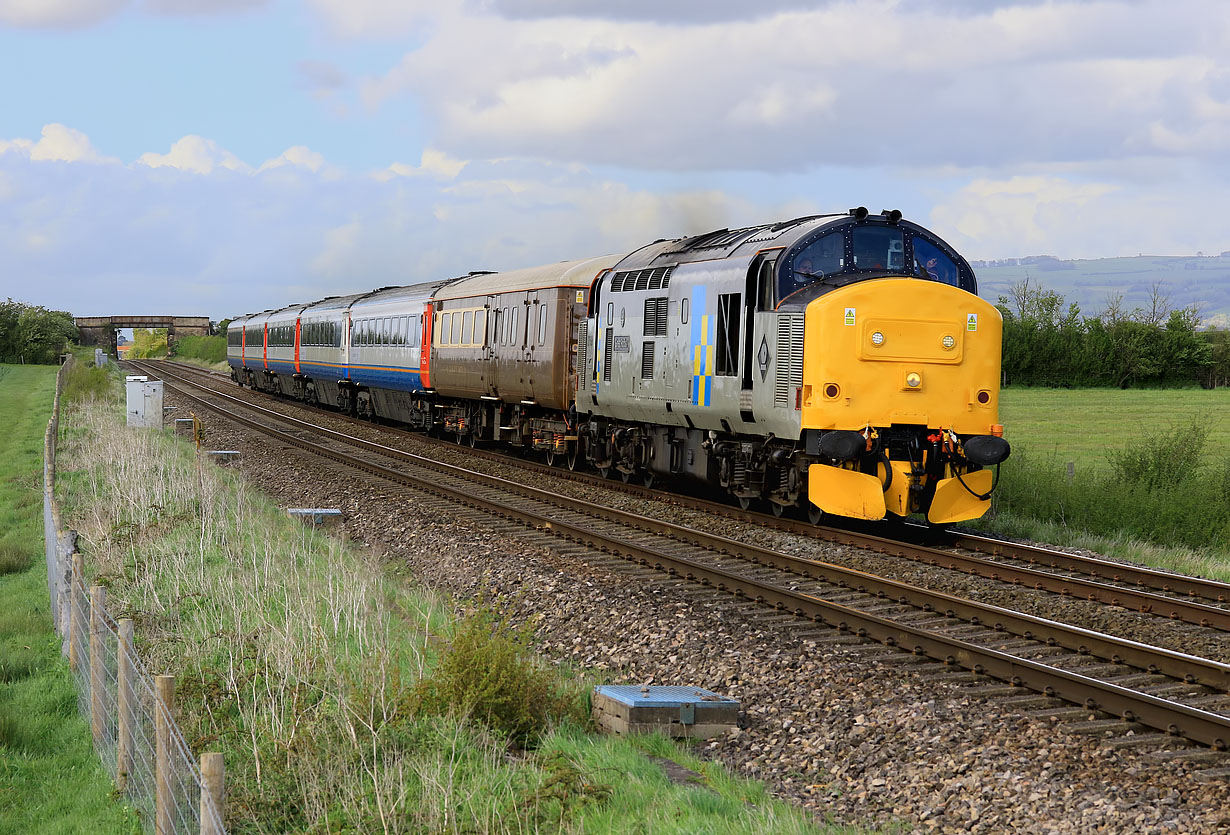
{"points": [[756, 278]]}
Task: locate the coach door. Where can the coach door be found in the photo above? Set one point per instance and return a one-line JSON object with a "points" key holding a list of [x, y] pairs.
{"points": [[490, 377], [536, 360]]}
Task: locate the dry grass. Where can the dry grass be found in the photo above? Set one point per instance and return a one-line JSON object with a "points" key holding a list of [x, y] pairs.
{"points": [[290, 640], [298, 658]]}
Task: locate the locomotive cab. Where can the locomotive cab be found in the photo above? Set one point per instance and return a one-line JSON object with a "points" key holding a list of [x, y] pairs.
{"points": [[900, 384]]}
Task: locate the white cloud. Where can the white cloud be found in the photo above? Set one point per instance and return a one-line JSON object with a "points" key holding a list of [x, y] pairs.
{"points": [[297, 156], [18, 145], [433, 163], [195, 154], [57, 144], [1071, 218], [65, 14], [76, 14], [201, 7], [855, 83], [381, 18]]}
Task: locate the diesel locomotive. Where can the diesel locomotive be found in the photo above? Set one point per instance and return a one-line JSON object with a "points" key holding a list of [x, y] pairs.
{"points": [[838, 364]]}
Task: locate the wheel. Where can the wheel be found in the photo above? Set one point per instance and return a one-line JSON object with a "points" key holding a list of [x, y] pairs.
{"points": [[573, 459], [551, 459], [745, 502], [472, 439], [625, 476], [461, 438], [647, 479], [814, 514], [778, 509]]}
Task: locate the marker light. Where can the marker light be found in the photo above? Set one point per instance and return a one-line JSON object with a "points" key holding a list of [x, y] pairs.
{"points": [[877, 339], [913, 379], [948, 342]]}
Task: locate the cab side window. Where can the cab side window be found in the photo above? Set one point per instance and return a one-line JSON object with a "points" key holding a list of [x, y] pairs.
{"points": [[822, 257], [931, 262]]}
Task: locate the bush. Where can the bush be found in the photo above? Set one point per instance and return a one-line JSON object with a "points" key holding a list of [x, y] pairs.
{"points": [[488, 672], [85, 382], [208, 348], [1164, 459]]}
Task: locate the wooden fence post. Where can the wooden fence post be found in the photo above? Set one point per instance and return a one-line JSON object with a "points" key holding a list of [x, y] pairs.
{"points": [[213, 786], [98, 601], [74, 615], [123, 705], [163, 801], [64, 576]]}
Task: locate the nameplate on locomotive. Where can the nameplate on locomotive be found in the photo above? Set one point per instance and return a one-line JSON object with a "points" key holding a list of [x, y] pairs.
{"points": [[622, 345]]}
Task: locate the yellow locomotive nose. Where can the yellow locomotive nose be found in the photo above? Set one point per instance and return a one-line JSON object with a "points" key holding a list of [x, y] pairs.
{"points": [[910, 358]]}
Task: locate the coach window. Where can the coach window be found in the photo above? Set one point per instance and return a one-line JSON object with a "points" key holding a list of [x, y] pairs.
{"points": [[514, 334], [542, 324], [467, 325], [683, 311], [480, 327]]}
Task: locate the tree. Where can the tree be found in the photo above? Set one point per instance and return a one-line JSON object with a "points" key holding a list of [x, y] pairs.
{"points": [[33, 334]]}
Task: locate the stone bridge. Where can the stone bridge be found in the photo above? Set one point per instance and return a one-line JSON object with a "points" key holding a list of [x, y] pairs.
{"points": [[100, 330]]}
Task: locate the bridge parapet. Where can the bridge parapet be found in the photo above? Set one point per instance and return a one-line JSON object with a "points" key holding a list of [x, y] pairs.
{"points": [[100, 330]]}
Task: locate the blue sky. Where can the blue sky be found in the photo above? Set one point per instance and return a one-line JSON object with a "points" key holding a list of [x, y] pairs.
{"points": [[223, 156]]}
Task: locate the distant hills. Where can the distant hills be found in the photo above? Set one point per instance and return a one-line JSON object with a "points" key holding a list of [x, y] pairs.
{"points": [[1199, 280]]}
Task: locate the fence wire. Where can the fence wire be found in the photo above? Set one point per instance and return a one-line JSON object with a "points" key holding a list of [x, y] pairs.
{"points": [[115, 692]]}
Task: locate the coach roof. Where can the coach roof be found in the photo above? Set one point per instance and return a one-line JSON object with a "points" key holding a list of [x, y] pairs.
{"points": [[564, 274]]}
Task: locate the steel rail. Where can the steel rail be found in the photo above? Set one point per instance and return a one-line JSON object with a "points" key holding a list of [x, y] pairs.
{"points": [[1146, 602], [1118, 572], [1175, 718]]}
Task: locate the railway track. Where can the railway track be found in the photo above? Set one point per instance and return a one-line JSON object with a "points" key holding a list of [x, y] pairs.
{"points": [[1177, 597], [1149, 688]]}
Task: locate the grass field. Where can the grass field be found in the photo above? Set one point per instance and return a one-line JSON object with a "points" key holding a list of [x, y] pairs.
{"points": [[1081, 425], [1166, 504], [50, 780]]}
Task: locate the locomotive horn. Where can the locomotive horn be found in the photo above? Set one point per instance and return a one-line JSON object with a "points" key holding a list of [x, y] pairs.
{"points": [[893, 216], [859, 213]]}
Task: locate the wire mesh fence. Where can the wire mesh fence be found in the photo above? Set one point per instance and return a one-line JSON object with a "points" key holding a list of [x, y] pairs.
{"points": [[131, 713]]}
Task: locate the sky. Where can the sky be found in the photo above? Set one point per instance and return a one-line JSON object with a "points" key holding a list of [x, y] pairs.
{"points": [[218, 157]]}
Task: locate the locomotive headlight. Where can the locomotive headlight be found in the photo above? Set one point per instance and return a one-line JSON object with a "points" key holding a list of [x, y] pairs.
{"points": [[948, 342], [877, 339]]}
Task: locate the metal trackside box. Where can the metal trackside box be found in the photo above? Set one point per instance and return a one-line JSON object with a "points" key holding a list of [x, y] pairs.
{"points": [[675, 711]]}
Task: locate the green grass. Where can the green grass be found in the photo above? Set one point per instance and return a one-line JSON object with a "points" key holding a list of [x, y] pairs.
{"points": [[299, 655], [1082, 425], [50, 780], [1151, 479]]}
